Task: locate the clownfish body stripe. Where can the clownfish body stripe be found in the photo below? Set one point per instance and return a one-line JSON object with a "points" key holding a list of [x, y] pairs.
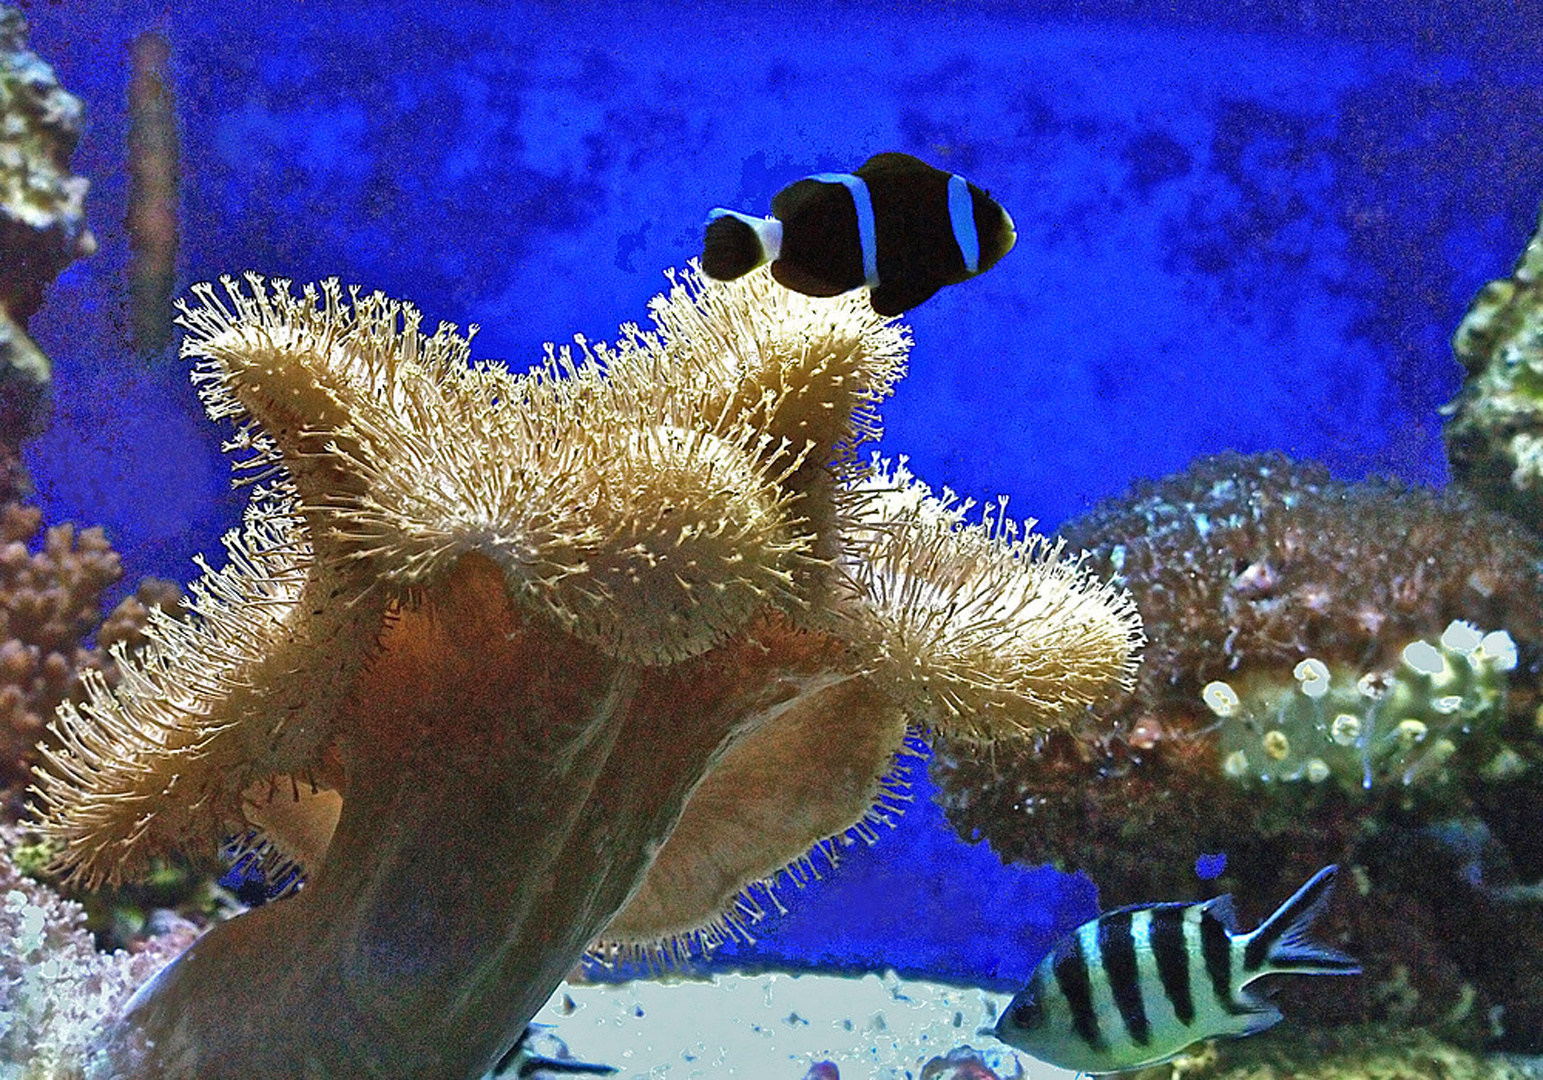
{"points": [[867, 231], [1134, 987]]}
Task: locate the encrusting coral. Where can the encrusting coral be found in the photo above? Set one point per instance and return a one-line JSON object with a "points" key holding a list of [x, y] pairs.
{"points": [[540, 661], [1494, 436], [42, 218], [1333, 672]]}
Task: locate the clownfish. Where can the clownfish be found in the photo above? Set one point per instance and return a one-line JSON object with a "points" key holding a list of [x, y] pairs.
{"points": [[896, 225], [1136, 986]]}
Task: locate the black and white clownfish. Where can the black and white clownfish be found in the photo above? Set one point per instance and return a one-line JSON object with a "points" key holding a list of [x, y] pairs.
{"points": [[896, 225], [1135, 987]]}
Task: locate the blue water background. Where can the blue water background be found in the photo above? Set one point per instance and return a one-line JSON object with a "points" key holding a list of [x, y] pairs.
{"points": [[1240, 226]]}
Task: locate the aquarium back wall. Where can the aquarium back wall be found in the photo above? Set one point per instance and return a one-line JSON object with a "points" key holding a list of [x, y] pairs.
{"points": [[1253, 234], [1257, 239]]}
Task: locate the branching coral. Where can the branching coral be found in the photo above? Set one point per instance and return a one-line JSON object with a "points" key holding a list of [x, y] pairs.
{"points": [[568, 656], [55, 988], [1315, 688], [50, 602]]}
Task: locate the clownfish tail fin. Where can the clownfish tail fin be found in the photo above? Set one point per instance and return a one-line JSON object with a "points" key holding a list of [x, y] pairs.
{"points": [[735, 244]]}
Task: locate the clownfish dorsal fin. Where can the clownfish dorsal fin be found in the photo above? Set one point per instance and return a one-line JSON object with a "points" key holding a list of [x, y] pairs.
{"points": [[893, 161]]}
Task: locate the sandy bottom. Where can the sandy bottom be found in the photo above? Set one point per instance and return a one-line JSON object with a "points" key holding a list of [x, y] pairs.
{"points": [[783, 1027]]}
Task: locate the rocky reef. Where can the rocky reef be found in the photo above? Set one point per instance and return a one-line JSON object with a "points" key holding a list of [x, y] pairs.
{"points": [[1351, 1052], [53, 579], [1494, 434], [1334, 672], [42, 218]]}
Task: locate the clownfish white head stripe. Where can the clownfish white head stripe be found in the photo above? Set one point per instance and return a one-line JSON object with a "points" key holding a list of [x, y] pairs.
{"points": [[961, 215]]}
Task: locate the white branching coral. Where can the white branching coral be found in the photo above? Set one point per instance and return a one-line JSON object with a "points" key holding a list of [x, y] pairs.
{"points": [[515, 664], [56, 990]]}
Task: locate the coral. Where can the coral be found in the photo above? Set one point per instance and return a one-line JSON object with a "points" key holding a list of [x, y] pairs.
{"points": [[1494, 435], [1381, 1052], [42, 217], [1362, 730], [1299, 630], [517, 664], [50, 610], [56, 990]]}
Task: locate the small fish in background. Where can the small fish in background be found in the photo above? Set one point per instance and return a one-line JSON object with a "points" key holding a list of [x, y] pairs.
{"points": [[1136, 986], [896, 225], [541, 1055]]}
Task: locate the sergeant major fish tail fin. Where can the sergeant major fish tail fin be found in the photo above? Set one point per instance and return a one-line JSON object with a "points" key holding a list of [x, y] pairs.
{"points": [[735, 244], [1280, 944]]}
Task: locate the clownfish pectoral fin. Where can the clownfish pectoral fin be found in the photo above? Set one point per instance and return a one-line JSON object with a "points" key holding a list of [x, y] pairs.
{"points": [[791, 276], [894, 297], [735, 244]]}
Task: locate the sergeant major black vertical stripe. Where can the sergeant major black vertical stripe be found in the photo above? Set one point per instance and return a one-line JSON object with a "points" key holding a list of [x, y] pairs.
{"points": [[1117, 952], [1071, 977], [1166, 933], [1216, 948]]}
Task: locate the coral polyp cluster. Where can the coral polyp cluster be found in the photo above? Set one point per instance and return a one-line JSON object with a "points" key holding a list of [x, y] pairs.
{"points": [[1360, 729]]}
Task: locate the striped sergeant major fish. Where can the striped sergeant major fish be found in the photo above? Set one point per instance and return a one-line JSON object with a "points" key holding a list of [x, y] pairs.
{"points": [[896, 225], [1136, 986]]}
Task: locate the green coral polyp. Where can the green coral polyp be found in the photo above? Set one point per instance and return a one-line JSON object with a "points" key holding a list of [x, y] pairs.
{"points": [[1362, 729]]}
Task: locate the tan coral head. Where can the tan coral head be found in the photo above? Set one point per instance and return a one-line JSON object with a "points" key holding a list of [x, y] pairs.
{"points": [[584, 651]]}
